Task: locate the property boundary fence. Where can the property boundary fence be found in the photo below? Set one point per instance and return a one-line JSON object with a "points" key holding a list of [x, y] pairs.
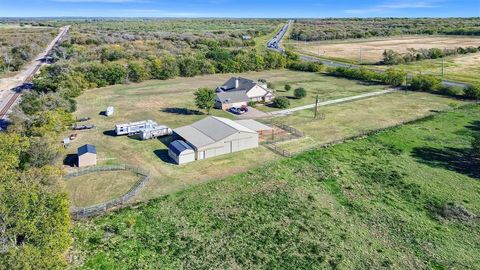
{"points": [[84, 212], [293, 133]]}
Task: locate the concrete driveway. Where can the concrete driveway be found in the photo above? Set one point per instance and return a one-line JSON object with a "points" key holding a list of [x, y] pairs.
{"points": [[251, 114]]}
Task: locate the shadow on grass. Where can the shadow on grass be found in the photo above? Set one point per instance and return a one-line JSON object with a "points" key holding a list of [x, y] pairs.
{"points": [[110, 133], [163, 155], [475, 126], [459, 160], [71, 160], [182, 111]]}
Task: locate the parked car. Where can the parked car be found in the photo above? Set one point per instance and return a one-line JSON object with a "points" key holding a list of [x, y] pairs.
{"points": [[237, 110]]}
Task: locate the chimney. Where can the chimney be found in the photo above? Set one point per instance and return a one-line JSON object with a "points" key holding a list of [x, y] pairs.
{"points": [[236, 83]]}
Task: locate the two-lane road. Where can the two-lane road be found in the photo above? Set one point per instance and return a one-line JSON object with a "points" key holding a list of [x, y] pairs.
{"points": [[9, 97]]}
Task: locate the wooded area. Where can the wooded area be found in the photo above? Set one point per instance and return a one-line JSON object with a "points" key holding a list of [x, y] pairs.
{"points": [[329, 29]]}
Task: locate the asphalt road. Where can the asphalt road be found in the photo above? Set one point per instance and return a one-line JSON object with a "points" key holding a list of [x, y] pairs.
{"points": [[277, 40], [11, 96]]}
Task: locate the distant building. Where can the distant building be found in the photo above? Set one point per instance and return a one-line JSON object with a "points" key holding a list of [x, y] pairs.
{"points": [[246, 37], [215, 136], [237, 92], [87, 155]]}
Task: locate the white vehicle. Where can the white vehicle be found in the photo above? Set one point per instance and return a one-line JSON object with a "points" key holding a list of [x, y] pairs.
{"points": [[109, 111], [134, 128], [156, 132]]}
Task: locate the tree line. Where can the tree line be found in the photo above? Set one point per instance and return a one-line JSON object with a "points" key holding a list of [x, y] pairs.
{"points": [[351, 28], [398, 77], [391, 57]]}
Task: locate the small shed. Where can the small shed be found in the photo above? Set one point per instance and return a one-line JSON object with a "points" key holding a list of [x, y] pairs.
{"points": [[181, 152], [109, 111], [87, 155]]}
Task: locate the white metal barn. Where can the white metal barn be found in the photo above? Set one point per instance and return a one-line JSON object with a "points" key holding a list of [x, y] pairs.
{"points": [[214, 136], [181, 152]]}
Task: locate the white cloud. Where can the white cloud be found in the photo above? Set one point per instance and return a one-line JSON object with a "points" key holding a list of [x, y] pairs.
{"points": [[388, 6]]}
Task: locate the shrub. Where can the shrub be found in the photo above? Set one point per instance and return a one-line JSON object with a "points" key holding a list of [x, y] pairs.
{"points": [[450, 90], [288, 87], [281, 102], [300, 93], [252, 103], [425, 83], [306, 66], [472, 91]]}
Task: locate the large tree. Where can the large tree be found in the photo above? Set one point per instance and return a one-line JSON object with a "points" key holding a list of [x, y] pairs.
{"points": [[205, 99]]}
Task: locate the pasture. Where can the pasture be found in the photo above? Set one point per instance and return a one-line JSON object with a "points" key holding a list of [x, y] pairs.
{"points": [[369, 51], [407, 198], [171, 103]]}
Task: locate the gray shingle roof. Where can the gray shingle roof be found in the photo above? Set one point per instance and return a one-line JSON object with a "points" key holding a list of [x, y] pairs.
{"points": [[232, 97], [87, 148], [243, 84]]}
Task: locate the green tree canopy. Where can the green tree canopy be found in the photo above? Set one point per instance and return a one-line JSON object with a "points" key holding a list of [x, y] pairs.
{"points": [[300, 92], [205, 99], [281, 102]]}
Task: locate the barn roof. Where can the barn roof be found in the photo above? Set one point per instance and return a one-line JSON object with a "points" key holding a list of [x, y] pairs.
{"points": [[210, 130], [87, 148], [253, 125], [179, 146]]}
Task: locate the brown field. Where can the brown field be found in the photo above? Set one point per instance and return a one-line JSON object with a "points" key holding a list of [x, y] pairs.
{"points": [[372, 49]]}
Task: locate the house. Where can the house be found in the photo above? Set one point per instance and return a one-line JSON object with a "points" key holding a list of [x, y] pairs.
{"points": [[181, 152], [238, 91], [87, 155], [215, 136]]}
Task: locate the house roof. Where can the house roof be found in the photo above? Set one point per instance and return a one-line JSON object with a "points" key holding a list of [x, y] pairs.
{"points": [[232, 97], [243, 84], [253, 125], [179, 147], [210, 130], [87, 148]]}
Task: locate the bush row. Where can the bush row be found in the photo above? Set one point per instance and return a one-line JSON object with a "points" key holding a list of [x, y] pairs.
{"points": [[391, 57]]}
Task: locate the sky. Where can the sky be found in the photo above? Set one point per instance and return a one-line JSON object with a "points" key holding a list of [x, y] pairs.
{"points": [[240, 8]]}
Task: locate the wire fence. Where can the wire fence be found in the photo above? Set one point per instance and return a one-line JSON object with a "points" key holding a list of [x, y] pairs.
{"points": [[290, 133], [84, 212]]}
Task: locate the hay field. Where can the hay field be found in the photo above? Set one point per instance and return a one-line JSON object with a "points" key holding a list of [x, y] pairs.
{"points": [[372, 49]]}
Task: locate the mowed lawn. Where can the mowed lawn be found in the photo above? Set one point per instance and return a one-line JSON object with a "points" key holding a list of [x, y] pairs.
{"points": [[166, 101], [407, 198], [353, 118], [99, 187], [326, 87]]}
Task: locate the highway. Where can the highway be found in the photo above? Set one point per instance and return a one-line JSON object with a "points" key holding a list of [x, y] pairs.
{"points": [[275, 44], [10, 97]]}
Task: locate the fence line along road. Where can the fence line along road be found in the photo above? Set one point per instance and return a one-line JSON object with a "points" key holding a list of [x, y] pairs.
{"points": [[84, 212], [333, 101]]}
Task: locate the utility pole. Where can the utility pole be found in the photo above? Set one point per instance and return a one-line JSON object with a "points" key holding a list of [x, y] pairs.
{"points": [[316, 108], [360, 55], [443, 69]]}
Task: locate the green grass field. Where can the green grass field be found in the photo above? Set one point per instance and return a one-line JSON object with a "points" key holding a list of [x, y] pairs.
{"points": [[168, 101], [402, 199], [99, 187], [326, 87]]}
